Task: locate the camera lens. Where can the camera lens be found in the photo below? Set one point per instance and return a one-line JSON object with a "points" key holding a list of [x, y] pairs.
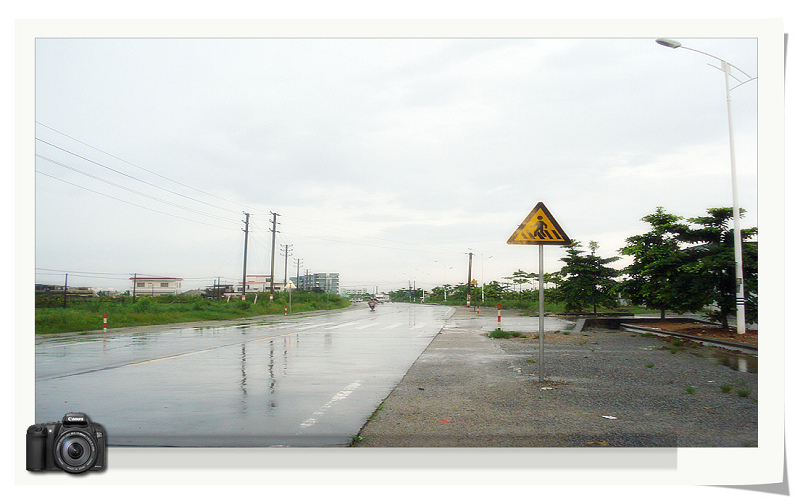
{"points": [[74, 451]]}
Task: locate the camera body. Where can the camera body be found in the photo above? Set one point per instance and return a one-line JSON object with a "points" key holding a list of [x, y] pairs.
{"points": [[73, 445]]}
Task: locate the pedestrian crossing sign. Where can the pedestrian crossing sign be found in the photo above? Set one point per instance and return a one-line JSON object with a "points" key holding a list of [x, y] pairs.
{"points": [[539, 228]]}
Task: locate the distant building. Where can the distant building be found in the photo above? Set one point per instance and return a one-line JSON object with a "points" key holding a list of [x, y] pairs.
{"points": [[256, 283], [325, 282], [218, 291], [155, 286], [354, 293], [72, 292]]}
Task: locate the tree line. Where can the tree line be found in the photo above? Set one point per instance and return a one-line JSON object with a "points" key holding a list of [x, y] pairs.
{"points": [[679, 265]]}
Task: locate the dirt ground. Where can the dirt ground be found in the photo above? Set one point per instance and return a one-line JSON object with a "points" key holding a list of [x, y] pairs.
{"points": [[704, 330]]}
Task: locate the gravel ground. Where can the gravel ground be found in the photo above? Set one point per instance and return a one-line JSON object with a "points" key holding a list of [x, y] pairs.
{"points": [[601, 388]]}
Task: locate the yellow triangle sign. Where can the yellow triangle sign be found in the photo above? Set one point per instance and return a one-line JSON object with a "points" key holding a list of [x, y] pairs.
{"points": [[539, 228]]}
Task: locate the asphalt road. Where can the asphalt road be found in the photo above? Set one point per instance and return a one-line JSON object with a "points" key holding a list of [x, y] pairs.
{"points": [[300, 381]]}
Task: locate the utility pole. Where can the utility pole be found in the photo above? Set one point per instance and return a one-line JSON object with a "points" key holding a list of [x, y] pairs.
{"points": [[66, 275], [469, 280], [134, 287], [244, 267], [274, 222], [297, 277], [286, 254]]}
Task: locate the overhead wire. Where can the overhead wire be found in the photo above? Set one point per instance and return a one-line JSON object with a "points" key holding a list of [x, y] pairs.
{"points": [[141, 167], [129, 202], [120, 186]]}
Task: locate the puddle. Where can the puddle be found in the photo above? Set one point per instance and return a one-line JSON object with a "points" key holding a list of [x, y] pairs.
{"points": [[739, 362]]}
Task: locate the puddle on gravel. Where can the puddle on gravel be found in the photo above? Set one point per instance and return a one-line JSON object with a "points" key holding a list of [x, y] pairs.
{"points": [[743, 363], [739, 362]]}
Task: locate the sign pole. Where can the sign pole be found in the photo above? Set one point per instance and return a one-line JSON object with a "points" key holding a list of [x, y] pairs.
{"points": [[539, 228], [541, 312]]}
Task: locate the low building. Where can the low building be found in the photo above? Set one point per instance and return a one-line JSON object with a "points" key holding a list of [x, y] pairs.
{"points": [[155, 286], [218, 291], [353, 293], [72, 292], [257, 283]]}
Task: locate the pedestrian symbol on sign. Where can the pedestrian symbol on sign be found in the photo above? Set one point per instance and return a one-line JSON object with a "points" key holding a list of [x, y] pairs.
{"points": [[539, 228]]}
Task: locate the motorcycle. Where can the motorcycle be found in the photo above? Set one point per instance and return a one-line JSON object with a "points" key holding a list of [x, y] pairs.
{"points": [[372, 304]]}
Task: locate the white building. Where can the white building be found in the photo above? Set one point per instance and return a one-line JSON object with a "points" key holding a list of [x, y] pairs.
{"points": [[155, 286], [257, 283]]}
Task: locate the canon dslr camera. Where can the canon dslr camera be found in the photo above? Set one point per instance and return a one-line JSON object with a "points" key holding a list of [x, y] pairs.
{"points": [[75, 445]]}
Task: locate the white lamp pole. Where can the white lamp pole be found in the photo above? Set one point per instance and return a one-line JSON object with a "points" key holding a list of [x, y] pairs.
{"points": [[737, 229]]}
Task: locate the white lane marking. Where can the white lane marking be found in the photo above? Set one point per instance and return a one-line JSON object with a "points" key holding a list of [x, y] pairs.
{"points": [[315, 325], [368, 326], [343, 325], [341, 395], [392, 326]]}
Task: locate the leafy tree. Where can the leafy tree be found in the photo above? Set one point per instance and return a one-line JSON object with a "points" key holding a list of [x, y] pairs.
{"points": [[520, 278], [711, 259], [658, 277], [495, 290], [586, 280]]}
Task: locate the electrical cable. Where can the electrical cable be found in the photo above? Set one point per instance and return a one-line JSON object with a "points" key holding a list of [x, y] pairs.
{"points": [[130, 203], [139, 167]]}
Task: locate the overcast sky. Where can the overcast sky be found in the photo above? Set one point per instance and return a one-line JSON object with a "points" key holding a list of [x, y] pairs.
{"points": [[387, 160]]}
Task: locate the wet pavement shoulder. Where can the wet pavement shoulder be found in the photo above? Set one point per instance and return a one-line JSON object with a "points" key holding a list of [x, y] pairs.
{"points": [[601, 388]]}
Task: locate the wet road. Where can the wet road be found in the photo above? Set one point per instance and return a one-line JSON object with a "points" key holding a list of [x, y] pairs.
{"points": [[306, 381]]}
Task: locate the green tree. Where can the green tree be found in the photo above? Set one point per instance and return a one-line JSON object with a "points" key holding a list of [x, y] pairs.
{"points": [[659, 277], [585, 280], [711, 259]]}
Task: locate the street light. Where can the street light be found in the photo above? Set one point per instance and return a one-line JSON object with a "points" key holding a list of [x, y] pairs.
{"points": [[444, 277], [737, 230]]}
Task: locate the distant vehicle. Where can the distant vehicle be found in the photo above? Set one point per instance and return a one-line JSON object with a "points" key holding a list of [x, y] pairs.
{"points": [[381, 298]]}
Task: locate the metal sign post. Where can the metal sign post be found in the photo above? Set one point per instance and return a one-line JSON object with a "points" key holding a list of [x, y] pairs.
{"points": [[541, 312], [540, 228]]}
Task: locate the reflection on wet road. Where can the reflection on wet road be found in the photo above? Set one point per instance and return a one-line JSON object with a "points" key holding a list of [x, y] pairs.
{"points": [[306, 381]]}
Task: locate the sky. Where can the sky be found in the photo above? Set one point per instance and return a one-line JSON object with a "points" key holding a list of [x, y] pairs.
{"points": [[387, 160]]}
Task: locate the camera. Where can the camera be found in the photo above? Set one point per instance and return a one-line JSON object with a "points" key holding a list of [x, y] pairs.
{"points": [[74, 445]]}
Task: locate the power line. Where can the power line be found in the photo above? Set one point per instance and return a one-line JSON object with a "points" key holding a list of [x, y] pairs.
{"points": [[131, 190], [123, 174], [130, 203], [238, 205]]}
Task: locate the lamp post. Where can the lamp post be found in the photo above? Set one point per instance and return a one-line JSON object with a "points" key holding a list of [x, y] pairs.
{"points": [[444, 277], [737, 230]]}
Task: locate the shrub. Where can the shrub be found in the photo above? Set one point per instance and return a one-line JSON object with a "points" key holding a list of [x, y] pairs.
{"points": [[499, 333], [142, 305]]}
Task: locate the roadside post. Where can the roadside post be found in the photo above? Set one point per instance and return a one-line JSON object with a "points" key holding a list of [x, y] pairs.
{"points": [[105, 322], [538, 228], [498, 315]]}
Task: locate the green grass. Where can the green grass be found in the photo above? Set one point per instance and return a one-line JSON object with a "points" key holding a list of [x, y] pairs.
{"points": [[87, 315], [499, 333]]}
